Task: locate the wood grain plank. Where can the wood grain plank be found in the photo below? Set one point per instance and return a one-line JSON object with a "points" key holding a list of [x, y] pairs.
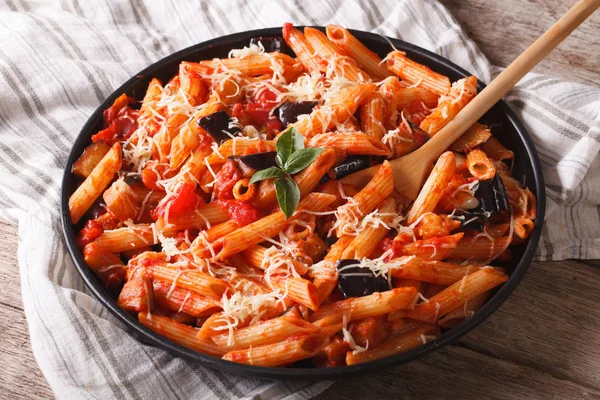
{"points": [[10, 283], [549, 323], [458, 373], [20, 377], [503, 29]]}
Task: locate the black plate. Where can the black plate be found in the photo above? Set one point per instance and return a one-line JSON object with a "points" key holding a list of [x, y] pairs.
{"points": [[527, 169]]}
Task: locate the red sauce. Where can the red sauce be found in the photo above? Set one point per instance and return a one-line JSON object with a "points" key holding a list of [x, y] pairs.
{"points": [[241, 212], [120, 121], [226, 179], [94, 228], [184, 199]]}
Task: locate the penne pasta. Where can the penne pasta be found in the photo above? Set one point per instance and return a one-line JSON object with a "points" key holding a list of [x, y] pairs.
{"points": [[351, 46], [457, 294], [91, 188], [417, 74]]}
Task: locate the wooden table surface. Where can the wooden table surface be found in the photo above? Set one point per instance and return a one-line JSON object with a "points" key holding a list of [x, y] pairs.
{"points": [[544, 342]]}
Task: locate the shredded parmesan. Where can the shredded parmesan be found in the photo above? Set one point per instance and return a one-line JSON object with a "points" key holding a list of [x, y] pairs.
{"points": [[350, 340]]}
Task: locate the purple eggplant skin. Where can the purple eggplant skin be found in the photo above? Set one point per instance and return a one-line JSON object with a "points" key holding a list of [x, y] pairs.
{"points": [[272, 44], [217, 126], [257, 161], [349, 166], [492, 198], [288, 112], [352, 285]]}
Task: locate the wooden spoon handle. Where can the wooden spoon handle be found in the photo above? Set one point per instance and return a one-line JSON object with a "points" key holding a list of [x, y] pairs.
{"points": [[510, 76]]}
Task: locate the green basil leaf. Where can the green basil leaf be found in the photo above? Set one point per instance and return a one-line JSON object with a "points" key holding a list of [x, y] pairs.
{"points": [[288, 195], [268, 173], [301, 159], [287, 143]]}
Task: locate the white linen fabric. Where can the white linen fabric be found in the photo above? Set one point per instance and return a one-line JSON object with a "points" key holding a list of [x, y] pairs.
{"points": [[60, 59]]}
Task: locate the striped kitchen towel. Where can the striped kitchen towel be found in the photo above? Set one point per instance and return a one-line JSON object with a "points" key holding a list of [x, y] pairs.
{"points": [[60, 59]]}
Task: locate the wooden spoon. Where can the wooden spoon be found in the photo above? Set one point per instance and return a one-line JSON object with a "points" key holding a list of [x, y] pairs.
{"points": [[411, 170]]}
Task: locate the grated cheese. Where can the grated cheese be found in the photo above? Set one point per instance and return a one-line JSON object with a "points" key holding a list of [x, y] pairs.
{"points": [[350, 340]]}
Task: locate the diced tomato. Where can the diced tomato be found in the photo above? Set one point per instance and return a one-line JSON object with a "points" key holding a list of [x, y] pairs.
{"points": [[257, 113], [226, 179], [266, 98], [94, 228], [183, 200], [120, 121], [241, 212]]}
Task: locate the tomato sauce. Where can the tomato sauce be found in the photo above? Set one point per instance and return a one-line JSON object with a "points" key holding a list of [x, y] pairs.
{"points": [[94, 228], [184, 199], [241, 212], [120, 121], [226, 179]]}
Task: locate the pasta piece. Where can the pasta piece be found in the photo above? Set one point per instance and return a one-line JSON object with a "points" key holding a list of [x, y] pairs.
{"points": [[432, 190], [182, 300], [258, 64], [236, 147], [458, 315], [395, 345], [91, 156], [298, 290], [405, 96], [340, 107], [434, 249], [351, 143], [494, 149], [196, 281], [266, 332], [462, 92], [105, 264], [416, 73], [522, 227], [479, 165], [294, 348], [179, 333], [254, 233], [372, 114], [390, 92], [302, 48], [474, 136], [363, 244], [453, 296], [369, 306], [85, 195], [127, 238], [137, 295], [204, 215], [434, 271], [121, 201], [479, 248], [337, 63], [369, 61]]}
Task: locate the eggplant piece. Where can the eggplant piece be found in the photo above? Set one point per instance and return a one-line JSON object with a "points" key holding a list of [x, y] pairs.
{"points": [[217, 125], [288, 112], [258, 161], [492, 198], [350, 165], [273, 43], [492, 195], [359, 281]]}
